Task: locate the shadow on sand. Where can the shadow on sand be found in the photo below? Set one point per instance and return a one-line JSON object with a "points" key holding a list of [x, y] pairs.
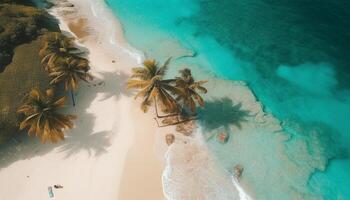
{"points": [[80, 138]]}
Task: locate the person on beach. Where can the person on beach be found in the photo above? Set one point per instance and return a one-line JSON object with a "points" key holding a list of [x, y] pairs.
{"points": [[58, 186]]}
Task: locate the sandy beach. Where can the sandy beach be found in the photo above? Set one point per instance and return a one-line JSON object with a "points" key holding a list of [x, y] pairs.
{"points": [[110, 153]]}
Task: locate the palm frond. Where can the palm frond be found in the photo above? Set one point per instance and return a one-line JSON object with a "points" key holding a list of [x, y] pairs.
{"points": [[35, 94], [50, 92], [41, 117], [59, 103], [145, 105], [202, 89], [189, 86], [137, 84], [162, 70], [150, 64], [199, 99]]}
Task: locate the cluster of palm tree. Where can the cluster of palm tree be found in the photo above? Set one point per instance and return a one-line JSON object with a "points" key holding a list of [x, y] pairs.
{"points": [[65, 66], [62, 60], [175, 97], [57, 46]]}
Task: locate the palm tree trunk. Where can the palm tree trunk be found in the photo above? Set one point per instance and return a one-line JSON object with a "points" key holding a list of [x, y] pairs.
{"points": [[176, 123], [163, 116], [72, 95]]}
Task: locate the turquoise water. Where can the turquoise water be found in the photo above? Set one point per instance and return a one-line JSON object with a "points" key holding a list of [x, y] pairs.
{"points": [[294, 55]]}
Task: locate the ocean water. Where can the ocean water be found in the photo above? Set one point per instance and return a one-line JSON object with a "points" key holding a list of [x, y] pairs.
{"points": [[294, 56]]}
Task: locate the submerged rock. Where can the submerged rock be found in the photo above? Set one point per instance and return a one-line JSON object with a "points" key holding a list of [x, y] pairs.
{"points": [[238, 171], [169, 139], [223, 137]]}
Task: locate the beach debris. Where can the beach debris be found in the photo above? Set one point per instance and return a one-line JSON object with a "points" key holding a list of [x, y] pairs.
{"points": [[69, 5], [186, 128], [51, 195], [58, 186], [169, 139], [223, 137], [238, 170]]}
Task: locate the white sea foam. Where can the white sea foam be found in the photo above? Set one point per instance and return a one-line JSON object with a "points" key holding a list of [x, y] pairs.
{"points": [[190, 169], [112, 29], [191, 172], [243, 195]]}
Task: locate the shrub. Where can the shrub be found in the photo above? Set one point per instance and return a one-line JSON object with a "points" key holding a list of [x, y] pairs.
{"points": [[20, 24]]}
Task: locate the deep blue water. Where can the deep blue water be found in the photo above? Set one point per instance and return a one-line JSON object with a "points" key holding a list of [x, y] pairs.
{"points": [[294, 54]]}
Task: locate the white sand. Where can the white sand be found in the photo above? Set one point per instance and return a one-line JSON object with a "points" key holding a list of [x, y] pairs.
{"points": [[110, 154]]}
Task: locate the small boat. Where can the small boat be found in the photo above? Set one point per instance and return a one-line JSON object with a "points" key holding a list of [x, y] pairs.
{"points": [[51, 195], [222, 137]]}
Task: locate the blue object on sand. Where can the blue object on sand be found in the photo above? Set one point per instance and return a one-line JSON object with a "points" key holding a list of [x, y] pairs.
{"points": [[51, 195]]}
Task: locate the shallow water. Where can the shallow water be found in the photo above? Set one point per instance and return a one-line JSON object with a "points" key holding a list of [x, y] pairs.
{"points": [[294, 55]]}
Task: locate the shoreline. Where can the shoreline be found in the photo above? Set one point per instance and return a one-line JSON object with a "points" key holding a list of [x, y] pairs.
{"points": [[110, 154], [163, 152], [140, 161]]}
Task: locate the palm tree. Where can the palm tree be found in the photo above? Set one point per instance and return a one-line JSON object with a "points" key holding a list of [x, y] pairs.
{"points": [[56, 46], [69, 72], [42, 118], [149, 80], [190, 90]]}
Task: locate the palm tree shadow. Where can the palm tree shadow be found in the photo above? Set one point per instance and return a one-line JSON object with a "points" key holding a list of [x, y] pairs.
{"points": [[94, 144], [118, 81], [22, 147], [222, 113], [83, 137]]}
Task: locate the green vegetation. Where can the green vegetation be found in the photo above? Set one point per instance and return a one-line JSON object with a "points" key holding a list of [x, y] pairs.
{"points": [[21, 24], [22, 2], [63, 66], [69, 72], [19, 77], [175, 97], [55, 47], [51, 60], [190, 89], [42, 118], [61, 59]]}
